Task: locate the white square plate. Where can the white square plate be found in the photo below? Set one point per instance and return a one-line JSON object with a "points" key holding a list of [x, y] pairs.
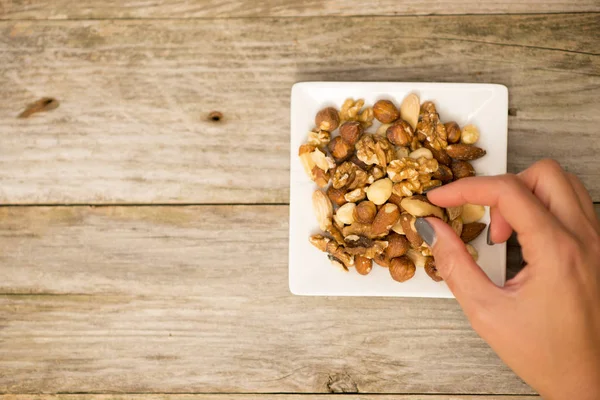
{"points": [[310, 272]]}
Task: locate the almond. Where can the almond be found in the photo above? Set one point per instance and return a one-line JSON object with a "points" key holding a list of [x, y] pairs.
{"points": [[408, 226], [441, 155], [402, 269], [386, 217], [409, 109], [419, 206], [443, 174], [323, 209], [398, 245], [462, 169], [472, 213], [471, 231], [465, 152]]}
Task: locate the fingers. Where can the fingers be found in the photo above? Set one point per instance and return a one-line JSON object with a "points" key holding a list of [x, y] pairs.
{"points": [[584, 198], [466, 280], [499, 230], [549, 183], [514, 201]]}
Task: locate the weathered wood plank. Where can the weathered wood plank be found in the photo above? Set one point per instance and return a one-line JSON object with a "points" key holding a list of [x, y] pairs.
{"points": [[245, 339], [199, 251], [105, 9], [261, 396], [132, 126]]}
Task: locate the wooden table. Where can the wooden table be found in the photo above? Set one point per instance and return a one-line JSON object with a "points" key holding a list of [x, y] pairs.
{"points": [[144, 245]]}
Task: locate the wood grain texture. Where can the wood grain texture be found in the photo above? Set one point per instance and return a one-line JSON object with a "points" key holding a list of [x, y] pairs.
{"points": [[261, 396], [132, 126], [167, 251], [136, 9], [245, 339]]}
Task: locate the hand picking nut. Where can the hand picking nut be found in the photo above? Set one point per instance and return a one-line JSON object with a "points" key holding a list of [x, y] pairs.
{"points": [[402, 269], [409, 109], [386, 217], [469, 134], [327, 119], [380, 191], [472, 213], [385, 111]]}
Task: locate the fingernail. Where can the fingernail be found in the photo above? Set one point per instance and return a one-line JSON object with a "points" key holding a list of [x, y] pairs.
{"points": [[425, 230], [489, 240]]}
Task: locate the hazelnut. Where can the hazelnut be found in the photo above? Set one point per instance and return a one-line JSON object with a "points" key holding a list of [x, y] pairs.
{"points": [[340, 150], [346, 213], [385, 111], [402, 269], [336, 196], [382, 260], [327, 119], [469, 134], [452, 132], [400, 133], [351, 131], [363, 265], [398, 245], [431, 270], [365, 212], [380, 191], [409, 109]]}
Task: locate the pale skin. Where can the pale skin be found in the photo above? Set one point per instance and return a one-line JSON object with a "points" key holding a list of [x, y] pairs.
{"points": [[545, 323]]}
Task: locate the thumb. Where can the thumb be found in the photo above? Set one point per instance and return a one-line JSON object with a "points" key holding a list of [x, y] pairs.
{"points": [[463, 276]]}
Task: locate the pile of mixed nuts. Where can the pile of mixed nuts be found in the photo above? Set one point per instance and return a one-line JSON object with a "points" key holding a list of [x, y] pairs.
{"points": [[378, 179]]}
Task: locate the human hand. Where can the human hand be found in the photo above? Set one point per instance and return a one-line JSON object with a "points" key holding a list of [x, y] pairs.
{"points": [[545, 323]]}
